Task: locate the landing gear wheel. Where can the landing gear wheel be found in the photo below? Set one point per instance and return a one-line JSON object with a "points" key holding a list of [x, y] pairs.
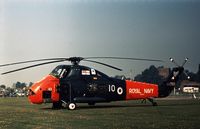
{"points": [[71, 106], [152, 101]]}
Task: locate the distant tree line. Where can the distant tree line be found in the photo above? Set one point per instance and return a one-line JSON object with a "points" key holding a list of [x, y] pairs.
{"points": [[21, 85], [18, 89], [149, 75], [194, 76], [3, 86]]}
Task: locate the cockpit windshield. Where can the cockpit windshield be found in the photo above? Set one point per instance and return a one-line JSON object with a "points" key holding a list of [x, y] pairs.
{"points": [[60, 72]]}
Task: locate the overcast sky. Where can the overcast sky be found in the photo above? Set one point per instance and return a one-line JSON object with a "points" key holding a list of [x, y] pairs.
{"points": [[156, 29]]}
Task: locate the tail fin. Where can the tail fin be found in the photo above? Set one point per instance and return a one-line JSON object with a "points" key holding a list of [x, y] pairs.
{"points": [[174, 76], [166, 87]]}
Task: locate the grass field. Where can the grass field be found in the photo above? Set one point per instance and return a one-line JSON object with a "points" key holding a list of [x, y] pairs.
{"points": [[170, 114]]}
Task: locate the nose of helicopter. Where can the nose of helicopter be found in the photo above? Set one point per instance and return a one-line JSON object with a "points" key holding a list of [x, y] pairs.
{"points": [[44, 90], [34, 94]]}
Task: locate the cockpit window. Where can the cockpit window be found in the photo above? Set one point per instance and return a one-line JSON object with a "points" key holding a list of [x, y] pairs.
{"points": [[60, 72]]}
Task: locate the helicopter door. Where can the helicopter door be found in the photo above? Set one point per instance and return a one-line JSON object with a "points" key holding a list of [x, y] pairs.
{"points": [[73, 85], [100, 84]]}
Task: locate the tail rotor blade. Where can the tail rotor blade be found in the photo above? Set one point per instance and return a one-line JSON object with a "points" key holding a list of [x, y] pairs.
{"points": [[172, 60], [185, 61], [188, 77]]}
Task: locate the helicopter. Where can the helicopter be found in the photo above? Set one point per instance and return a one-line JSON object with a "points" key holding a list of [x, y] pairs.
{"points": [[71, 84]]}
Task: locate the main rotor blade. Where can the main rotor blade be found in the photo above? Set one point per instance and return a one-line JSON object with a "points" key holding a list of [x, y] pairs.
{"points": [[123, 58], [103, 64], [30, 61], [32, 66]]}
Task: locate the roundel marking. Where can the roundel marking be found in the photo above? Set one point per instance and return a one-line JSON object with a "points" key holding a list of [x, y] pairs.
{"points": [[120, 90]]}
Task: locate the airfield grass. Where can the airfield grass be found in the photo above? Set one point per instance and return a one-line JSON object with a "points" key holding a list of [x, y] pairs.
{"points": [[170, 114]]}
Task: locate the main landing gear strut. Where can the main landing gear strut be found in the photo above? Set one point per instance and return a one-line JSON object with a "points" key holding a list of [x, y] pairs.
{"points": [[69, 105], [150, 100]]}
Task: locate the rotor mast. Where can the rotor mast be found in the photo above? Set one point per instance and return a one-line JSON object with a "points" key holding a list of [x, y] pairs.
{"points": [[75, 60]]}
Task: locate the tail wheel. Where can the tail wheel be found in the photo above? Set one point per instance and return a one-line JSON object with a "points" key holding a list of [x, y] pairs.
{"points": [[155, 104], [71, 106]]}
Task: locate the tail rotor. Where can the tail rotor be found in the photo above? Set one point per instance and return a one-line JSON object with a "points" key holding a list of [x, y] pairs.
{"points": [[180, 67], [168, 85]]}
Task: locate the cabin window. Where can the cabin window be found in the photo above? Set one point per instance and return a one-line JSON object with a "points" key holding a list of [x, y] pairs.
{"points": [[75, 72], [60, 72]]}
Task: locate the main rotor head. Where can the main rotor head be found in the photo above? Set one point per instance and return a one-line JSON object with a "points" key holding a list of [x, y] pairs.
{"points": [[75, 60]]}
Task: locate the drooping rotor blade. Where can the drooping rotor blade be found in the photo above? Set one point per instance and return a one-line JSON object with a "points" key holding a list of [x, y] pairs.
{"points": [[73, 60], [30, 61], [31, 66], [123, 58], [172, 60], [188, 77], [103, 64]]}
